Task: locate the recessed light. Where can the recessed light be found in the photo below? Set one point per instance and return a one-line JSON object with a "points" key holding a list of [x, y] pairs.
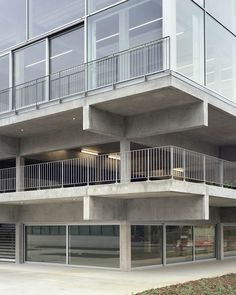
{"points": [[74, 118], [22, 130]]}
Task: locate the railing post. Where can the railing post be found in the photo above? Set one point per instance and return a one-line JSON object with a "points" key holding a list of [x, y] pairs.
{"points": [[116, 168], [62, 173], [221, 173], [172, 161], [148, 164], [87, 163], [184, 164], [204, 168], [20, 162], [39, 184]]}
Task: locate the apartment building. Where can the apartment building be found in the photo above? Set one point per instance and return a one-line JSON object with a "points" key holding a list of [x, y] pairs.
{"points": [[117, 132]]}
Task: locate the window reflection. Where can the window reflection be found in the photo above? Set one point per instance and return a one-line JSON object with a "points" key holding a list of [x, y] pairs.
{"points": [[229, 241], [204, 242], [146, 245], [179, 244], [46, 244]]}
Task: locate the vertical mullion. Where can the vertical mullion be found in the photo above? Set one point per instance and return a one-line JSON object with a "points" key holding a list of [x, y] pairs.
{"points": [[67, 244]]}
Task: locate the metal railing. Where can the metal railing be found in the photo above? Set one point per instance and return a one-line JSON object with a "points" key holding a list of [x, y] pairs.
{"points": [[136, 62], [137, 165]]}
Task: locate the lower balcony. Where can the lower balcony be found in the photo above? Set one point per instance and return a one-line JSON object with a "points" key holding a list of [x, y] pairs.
{"points": [[151, 164]]}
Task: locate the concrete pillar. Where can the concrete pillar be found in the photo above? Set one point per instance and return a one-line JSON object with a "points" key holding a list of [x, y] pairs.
{"points": [[125, 247], [19, 243], [20, 161], [125, 161], [219, 241]]}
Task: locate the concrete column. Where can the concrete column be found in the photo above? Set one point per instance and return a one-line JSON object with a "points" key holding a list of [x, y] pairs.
{"points": [[125, 247], [19, 243], [20, 161], [125, 161], [219, 241]]}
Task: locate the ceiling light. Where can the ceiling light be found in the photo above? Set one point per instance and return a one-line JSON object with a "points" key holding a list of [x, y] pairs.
{"points": [[114, 157], [89, 152], [178, 169], [22, 130], [73, 118]]}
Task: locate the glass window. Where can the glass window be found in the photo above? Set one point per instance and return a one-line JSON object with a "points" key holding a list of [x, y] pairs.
{"points": [[204, 242], [229, 241], [124, 26], [200, 2], [4, 72], [30, 63], [146, 245], [179, 244], [67, 50], [224, 11], [94, 5], [92, 248], [12, 23], [220, 59], [46, 15], [190, 40], [46, 245]]}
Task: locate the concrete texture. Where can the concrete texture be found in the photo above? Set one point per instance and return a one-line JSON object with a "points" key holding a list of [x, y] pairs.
{"points": [[52, 280]]}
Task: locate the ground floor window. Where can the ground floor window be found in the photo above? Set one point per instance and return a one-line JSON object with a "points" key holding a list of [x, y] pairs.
{"points": [[229, 241], [96, 245], [45, 244], [205, 242], [146, 245], [89, 245], [179, 244]]}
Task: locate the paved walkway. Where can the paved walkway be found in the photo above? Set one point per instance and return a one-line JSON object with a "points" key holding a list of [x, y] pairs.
{"points": [[31, 279]]}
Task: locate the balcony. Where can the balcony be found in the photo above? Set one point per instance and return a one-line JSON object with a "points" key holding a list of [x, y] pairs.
{"points": [[123, 66], [151, 164]]}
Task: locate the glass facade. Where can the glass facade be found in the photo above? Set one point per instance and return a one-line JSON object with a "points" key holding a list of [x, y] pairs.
{"points": [[46, 15], [96, 245], [190, 40], [45, 244], [146, 245], [30, 63], [4, 71], [123, 27], [204, 242], [179, 244], [224, 11], [229, 241], [12, 23], [94, 5]]}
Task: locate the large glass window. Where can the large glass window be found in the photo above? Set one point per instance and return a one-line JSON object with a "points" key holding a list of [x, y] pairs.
{"points": [[224, 11], [190, 40], [45, 244], [229, 241], [12, 23], [146, 245], [94, 5], [124, 26], [220, 59], [30, 63], [67, 50], [94, 245], [46, 15], [4, 72], [179, 244], [204, 242]]}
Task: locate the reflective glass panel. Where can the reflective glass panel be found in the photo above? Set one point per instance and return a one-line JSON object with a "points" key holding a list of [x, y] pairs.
{"points": [[190, 40], [46, 15], [45, 244], [67, 50], [220, 59], [4, 72], [229, 241], [30, 63], [12, 23], [179, 244], [146, 245], [96, 245], [94, 5], [224, 11], [204, 242], [124, 26]]}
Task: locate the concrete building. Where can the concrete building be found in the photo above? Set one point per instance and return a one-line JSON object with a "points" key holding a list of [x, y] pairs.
{"points": [[117, 132]]}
